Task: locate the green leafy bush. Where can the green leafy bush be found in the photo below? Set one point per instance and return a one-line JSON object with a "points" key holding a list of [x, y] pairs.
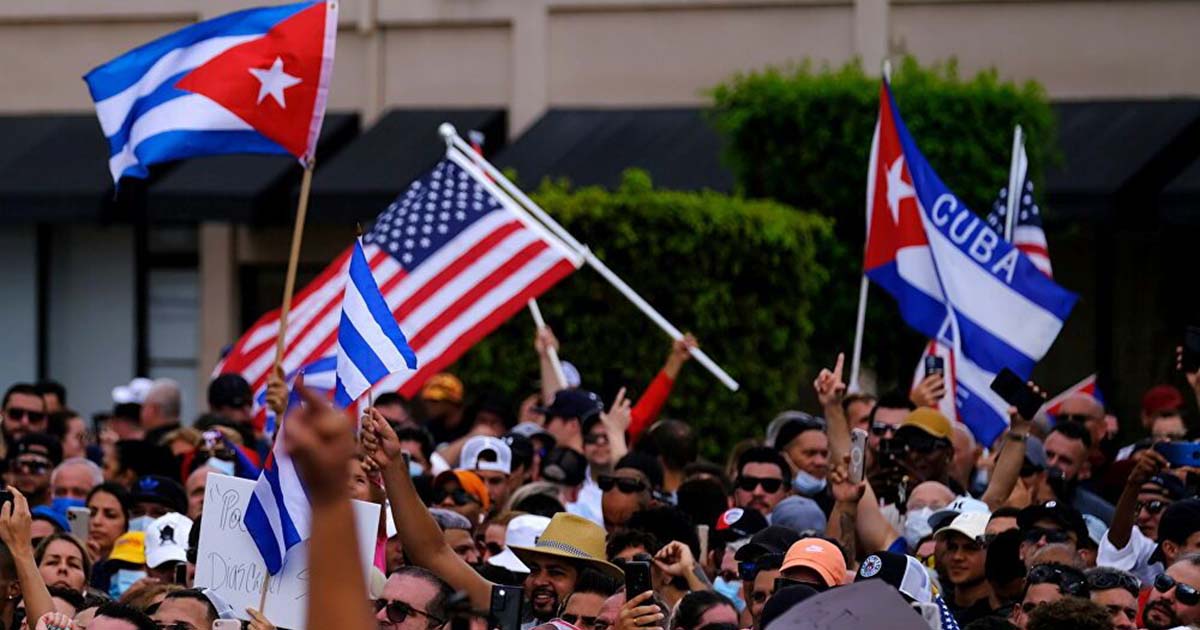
{"points": [[742, 275], [802, 136]]}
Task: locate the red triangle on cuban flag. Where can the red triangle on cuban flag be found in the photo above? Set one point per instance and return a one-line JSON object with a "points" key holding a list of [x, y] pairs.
{"points": [[273, 82], [893, 219]]}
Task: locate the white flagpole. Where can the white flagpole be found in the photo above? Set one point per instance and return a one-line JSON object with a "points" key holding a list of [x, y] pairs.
{"points": [[453, 140], [1015, 176], [550, 351]]}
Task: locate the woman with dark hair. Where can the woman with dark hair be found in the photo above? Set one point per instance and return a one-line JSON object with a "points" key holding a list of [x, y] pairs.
{"points": [[63, 561], [109, 505], [698, 609]]}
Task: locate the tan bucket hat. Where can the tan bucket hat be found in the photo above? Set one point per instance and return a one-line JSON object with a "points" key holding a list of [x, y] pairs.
{"points": [[574, 537]]}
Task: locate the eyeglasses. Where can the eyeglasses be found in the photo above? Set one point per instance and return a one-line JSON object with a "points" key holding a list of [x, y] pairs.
{"points": [[624, 484], [30, 466], [769, 484], [595, 438], [1104, 580], [398, 611], [1068, 583], [578, 621], [1034, 534], [748, 569], [18, 414], [881, 429], [1151, 507], [459, 496], [1185, 594]]}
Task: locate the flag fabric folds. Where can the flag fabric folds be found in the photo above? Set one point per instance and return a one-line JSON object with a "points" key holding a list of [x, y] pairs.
{"points": [[452, 259], [955, 279], [254, 81], [370, 345], [319, 377], [1028, 235], [278, 516]]}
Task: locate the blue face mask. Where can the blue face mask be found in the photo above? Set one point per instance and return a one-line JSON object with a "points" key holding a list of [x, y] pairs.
{"points": [[140, 523], [415, 469], [807, 484], [122, 580], [220, 465], [732, 590]]}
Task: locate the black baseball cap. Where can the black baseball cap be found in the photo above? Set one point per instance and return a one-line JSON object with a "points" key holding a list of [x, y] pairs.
{"points": [[1066, 516], [564, 466], [573, 403], [161, 490], [229, 390], [1170, 485], [40, 444], [736, 524], [772, 539], [1179, 521]]}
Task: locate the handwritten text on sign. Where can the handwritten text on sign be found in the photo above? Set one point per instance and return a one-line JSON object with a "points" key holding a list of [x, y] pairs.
{"points": [[229, 563]]}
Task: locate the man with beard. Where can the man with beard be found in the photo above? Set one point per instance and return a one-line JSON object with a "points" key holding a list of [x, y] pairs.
{"points": [[1165, 525], [762, 479], [1175, 599], [1067, 449]]}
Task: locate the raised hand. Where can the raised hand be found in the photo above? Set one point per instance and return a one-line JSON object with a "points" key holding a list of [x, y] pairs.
{"points": [[831, 389], [277, 391], [618, 417], [844, 490], [637, 614], [379, 441], [55, 621], [675, 559], [544, 340], [320, 441], [929, 392], [16, 522], [1146, 463], [259, 621]]}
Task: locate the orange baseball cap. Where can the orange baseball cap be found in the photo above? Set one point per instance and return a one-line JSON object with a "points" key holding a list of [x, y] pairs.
{"points": [[443, 386], [819, 555], [471, 483]]}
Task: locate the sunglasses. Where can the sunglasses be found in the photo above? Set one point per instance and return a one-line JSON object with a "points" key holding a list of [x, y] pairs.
{"points": [[578, 621], [1034, 534], [624, 484], [881, 429], [595, 438], [1104, 580], [28, 466], [1068, 583], [769, 484], [1185, 594], [459, 496], [18, 414], [1151, 507], [398, 611]]}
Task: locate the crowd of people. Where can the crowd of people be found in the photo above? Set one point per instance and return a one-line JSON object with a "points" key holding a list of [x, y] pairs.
{"points": [[603, 515]]}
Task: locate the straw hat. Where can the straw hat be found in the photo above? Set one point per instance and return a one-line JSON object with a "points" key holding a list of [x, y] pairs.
{"points": [[573, 537]]}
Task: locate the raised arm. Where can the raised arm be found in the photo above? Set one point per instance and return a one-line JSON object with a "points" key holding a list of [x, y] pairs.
{"points": [[1007, 470], [831, 390], [1147, 463], [321, 443], [419, 534], [651, 402], [16, 525], [543, 341]]}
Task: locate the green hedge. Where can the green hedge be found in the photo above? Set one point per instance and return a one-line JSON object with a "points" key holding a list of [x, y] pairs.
{"points": [[742, 275], [802, 136]]}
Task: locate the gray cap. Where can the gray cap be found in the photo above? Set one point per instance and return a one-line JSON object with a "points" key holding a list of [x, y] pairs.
{"points": [[1035, 452], [799, 514]]}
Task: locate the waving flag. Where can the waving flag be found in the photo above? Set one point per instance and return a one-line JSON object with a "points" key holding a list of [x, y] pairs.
{"points": [[278, 516], [254, 81], [319, 377], [452, 260], [1028, 235], [370, 345], [955, 279]]}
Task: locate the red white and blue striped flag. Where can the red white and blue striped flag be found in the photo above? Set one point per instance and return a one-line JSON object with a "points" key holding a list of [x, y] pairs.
{"points": [[278, 516]]}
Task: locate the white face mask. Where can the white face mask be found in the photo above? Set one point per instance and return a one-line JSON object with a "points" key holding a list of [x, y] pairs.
{"points": [[807, 484], [140, 523], [916, 526], [220, 465]]}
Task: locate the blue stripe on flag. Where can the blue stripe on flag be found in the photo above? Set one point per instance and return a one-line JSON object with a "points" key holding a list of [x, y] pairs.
{"points": [[259, 527], [916, 308], [163, 93], [126, 70], [364, 281], [290, 535], [989, 352], [983, 421], [359, 352], [176, 145]]}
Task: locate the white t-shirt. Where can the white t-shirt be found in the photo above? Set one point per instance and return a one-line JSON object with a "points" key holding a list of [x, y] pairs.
{"points": [[1134, 557]]}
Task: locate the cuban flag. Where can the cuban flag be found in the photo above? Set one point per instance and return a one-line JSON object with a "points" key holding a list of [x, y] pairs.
{"points": [[254, 81], [318, 376], [370, 345], [278, 516], [955, 279]]}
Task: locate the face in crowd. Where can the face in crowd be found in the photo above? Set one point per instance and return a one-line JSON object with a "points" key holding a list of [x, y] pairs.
{"points": [[1175, 598]]}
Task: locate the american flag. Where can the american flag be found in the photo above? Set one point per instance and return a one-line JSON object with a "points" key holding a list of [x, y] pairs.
{"points": [[1027, 235], [453, 258]]}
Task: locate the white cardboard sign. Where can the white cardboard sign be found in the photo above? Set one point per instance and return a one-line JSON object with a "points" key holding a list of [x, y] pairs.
{"points": [[229, 562]]}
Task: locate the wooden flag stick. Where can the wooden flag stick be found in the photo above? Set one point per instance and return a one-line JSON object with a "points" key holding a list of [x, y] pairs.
{"points": [[289, 284]]}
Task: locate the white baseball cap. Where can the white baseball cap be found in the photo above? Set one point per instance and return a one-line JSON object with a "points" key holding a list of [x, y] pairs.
{"points": [[134, 392], [523, 531], [167, 539], [969, 524], [479, 444]]}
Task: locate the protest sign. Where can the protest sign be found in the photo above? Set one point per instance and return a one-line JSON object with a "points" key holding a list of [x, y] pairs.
{"points": [[229, 563]]}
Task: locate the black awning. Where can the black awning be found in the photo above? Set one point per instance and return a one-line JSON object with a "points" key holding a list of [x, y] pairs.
{"points": [[364, 178], [1118, 153], [55, 168], [676, 146], [1179, 202], [243, 188]]}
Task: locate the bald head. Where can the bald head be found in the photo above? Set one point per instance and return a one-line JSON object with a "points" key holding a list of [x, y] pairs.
{"points": [[933, 494]]}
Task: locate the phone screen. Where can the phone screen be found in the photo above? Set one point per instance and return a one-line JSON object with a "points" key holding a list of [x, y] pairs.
{"points": [[637, 578], [1017, 393], [935, 365]]}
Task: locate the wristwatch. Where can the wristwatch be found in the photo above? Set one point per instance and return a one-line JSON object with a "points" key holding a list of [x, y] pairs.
{"points": [[1018, 437]]}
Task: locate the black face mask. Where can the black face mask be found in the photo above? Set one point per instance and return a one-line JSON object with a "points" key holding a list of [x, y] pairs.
{"points": [[1063, 489]]}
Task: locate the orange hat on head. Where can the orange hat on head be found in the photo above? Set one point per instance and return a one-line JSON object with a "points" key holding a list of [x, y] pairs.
{"points": [[471, 483], [441, 387], [819, 555]]}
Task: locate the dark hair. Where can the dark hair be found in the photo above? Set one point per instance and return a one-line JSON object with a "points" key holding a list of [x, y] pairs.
{"points": [[593, 581], [117, 491], [1003, 563], [389, 398], [8, 564], [40, 552], [1074, 431], [113, 610], [894, 399], [673, 441], [1006, 511], [1069, 612], [437, 605], [1107, 578], [418, 435], [850, 399], [197, 595], [145, 459], [56, 427], [21, 388], [624, 539], [764, 455], [69, 595], [692, 607], [539, 504], [52, 387], [990, 623], [702, 499], [647, 464], [667, 523], [716, 471], [1068, 579]]}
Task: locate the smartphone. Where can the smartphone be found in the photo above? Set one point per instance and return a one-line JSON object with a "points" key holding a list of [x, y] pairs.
{"points": [[637, 578], [505, 611], [1191, 349], [858, 455], [180, 575], [1179, 453], [1017, 393], [934, 365], [79, 518]]}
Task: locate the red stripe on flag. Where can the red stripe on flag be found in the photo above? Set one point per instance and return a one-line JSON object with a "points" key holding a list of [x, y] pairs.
{"points": [[454, 269]]}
